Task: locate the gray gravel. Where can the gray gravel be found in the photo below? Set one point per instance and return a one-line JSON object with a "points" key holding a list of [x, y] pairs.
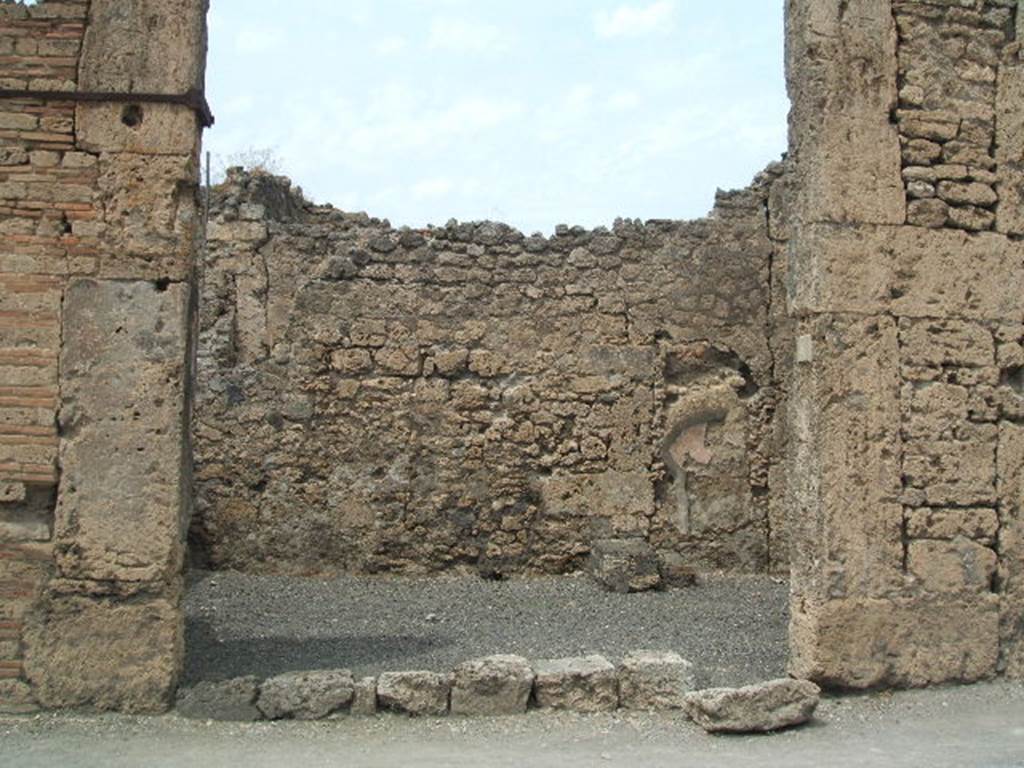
{"points": [[732, 628], [981, 725]]}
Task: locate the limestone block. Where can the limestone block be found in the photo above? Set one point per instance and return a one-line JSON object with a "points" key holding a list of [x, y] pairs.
{"points": [[144, 46], [229, 700], [846, 150], [909, 271], [754, 708], [364, 697], [1010, 213], [954, 473], [150, 212], [414, 693], [938, 343], [654, 680], [585, 684], [144, 128], [624, 565], [677, 572], [495, 685], [978, 523], [843, 455], [1010, 486], [306, 695], [121, 511], [957, 565], [105, 652], [905, 642]]}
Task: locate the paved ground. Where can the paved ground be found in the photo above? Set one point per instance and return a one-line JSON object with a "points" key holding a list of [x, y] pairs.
{"points": [[981, 726], [732, 628]]}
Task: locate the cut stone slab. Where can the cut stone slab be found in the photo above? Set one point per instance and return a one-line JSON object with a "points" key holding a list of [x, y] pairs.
{"points": [[414, 693], [306, 695], [494, 685], [223, 700], [624, 565], [754, 708], [654, 680], [364, 699], [581, 684]]}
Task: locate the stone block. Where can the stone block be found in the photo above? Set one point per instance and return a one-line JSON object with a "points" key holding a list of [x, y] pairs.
{"points": [[902, 641], [754, 708], [105, 652], [846, 149], [978, 523], [364, 698], [624, 565], [654, 680], [845, 476], [121, 511], [414, 693], [228, 700], [959, 565], [908, 271], [144, 128], [585, 684], [495, 685], [306, 695], [677, 571], [150, 216], [144, 46]]}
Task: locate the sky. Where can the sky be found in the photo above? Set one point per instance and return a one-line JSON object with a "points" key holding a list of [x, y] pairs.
{"points": [[531, 112]]}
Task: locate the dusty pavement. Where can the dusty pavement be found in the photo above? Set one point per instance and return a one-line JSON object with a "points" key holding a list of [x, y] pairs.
{"points": [[733, 628], [981, 725]]}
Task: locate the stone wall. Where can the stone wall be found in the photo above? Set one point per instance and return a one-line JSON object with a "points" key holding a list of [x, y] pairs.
{"points": [[98, 228], [907, 269], [466, 397]]}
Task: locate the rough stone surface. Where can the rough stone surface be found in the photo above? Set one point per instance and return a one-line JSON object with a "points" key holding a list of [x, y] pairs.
{"points": [[232, 700], [585, 684], [754, 708], [98, 226], [496, 685], [364, 697], [654, 680], [414, 693], [469, 398], [625, 565], [306, 695], [906, 389]]}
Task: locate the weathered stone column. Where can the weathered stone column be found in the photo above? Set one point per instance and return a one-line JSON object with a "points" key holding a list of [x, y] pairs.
{"points": [[105, 628], [909, 308]]}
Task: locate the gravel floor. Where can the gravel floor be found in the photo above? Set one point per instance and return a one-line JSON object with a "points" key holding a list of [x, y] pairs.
{"points": [[732, 628]]}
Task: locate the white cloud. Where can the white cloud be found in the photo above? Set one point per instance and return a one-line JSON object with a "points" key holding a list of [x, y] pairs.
{"points": [[621, 101], [390, 46], [463, 36], [431, 189], [633, 20], [253, 39]]}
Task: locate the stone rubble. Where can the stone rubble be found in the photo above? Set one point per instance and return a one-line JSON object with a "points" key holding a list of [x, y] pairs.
{"points": [[754, 708], [306, 695], [231, 700], [414, 693]]}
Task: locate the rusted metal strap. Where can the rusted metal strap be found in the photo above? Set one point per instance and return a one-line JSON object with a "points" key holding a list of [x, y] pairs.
{"points": [[195, 100]]}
